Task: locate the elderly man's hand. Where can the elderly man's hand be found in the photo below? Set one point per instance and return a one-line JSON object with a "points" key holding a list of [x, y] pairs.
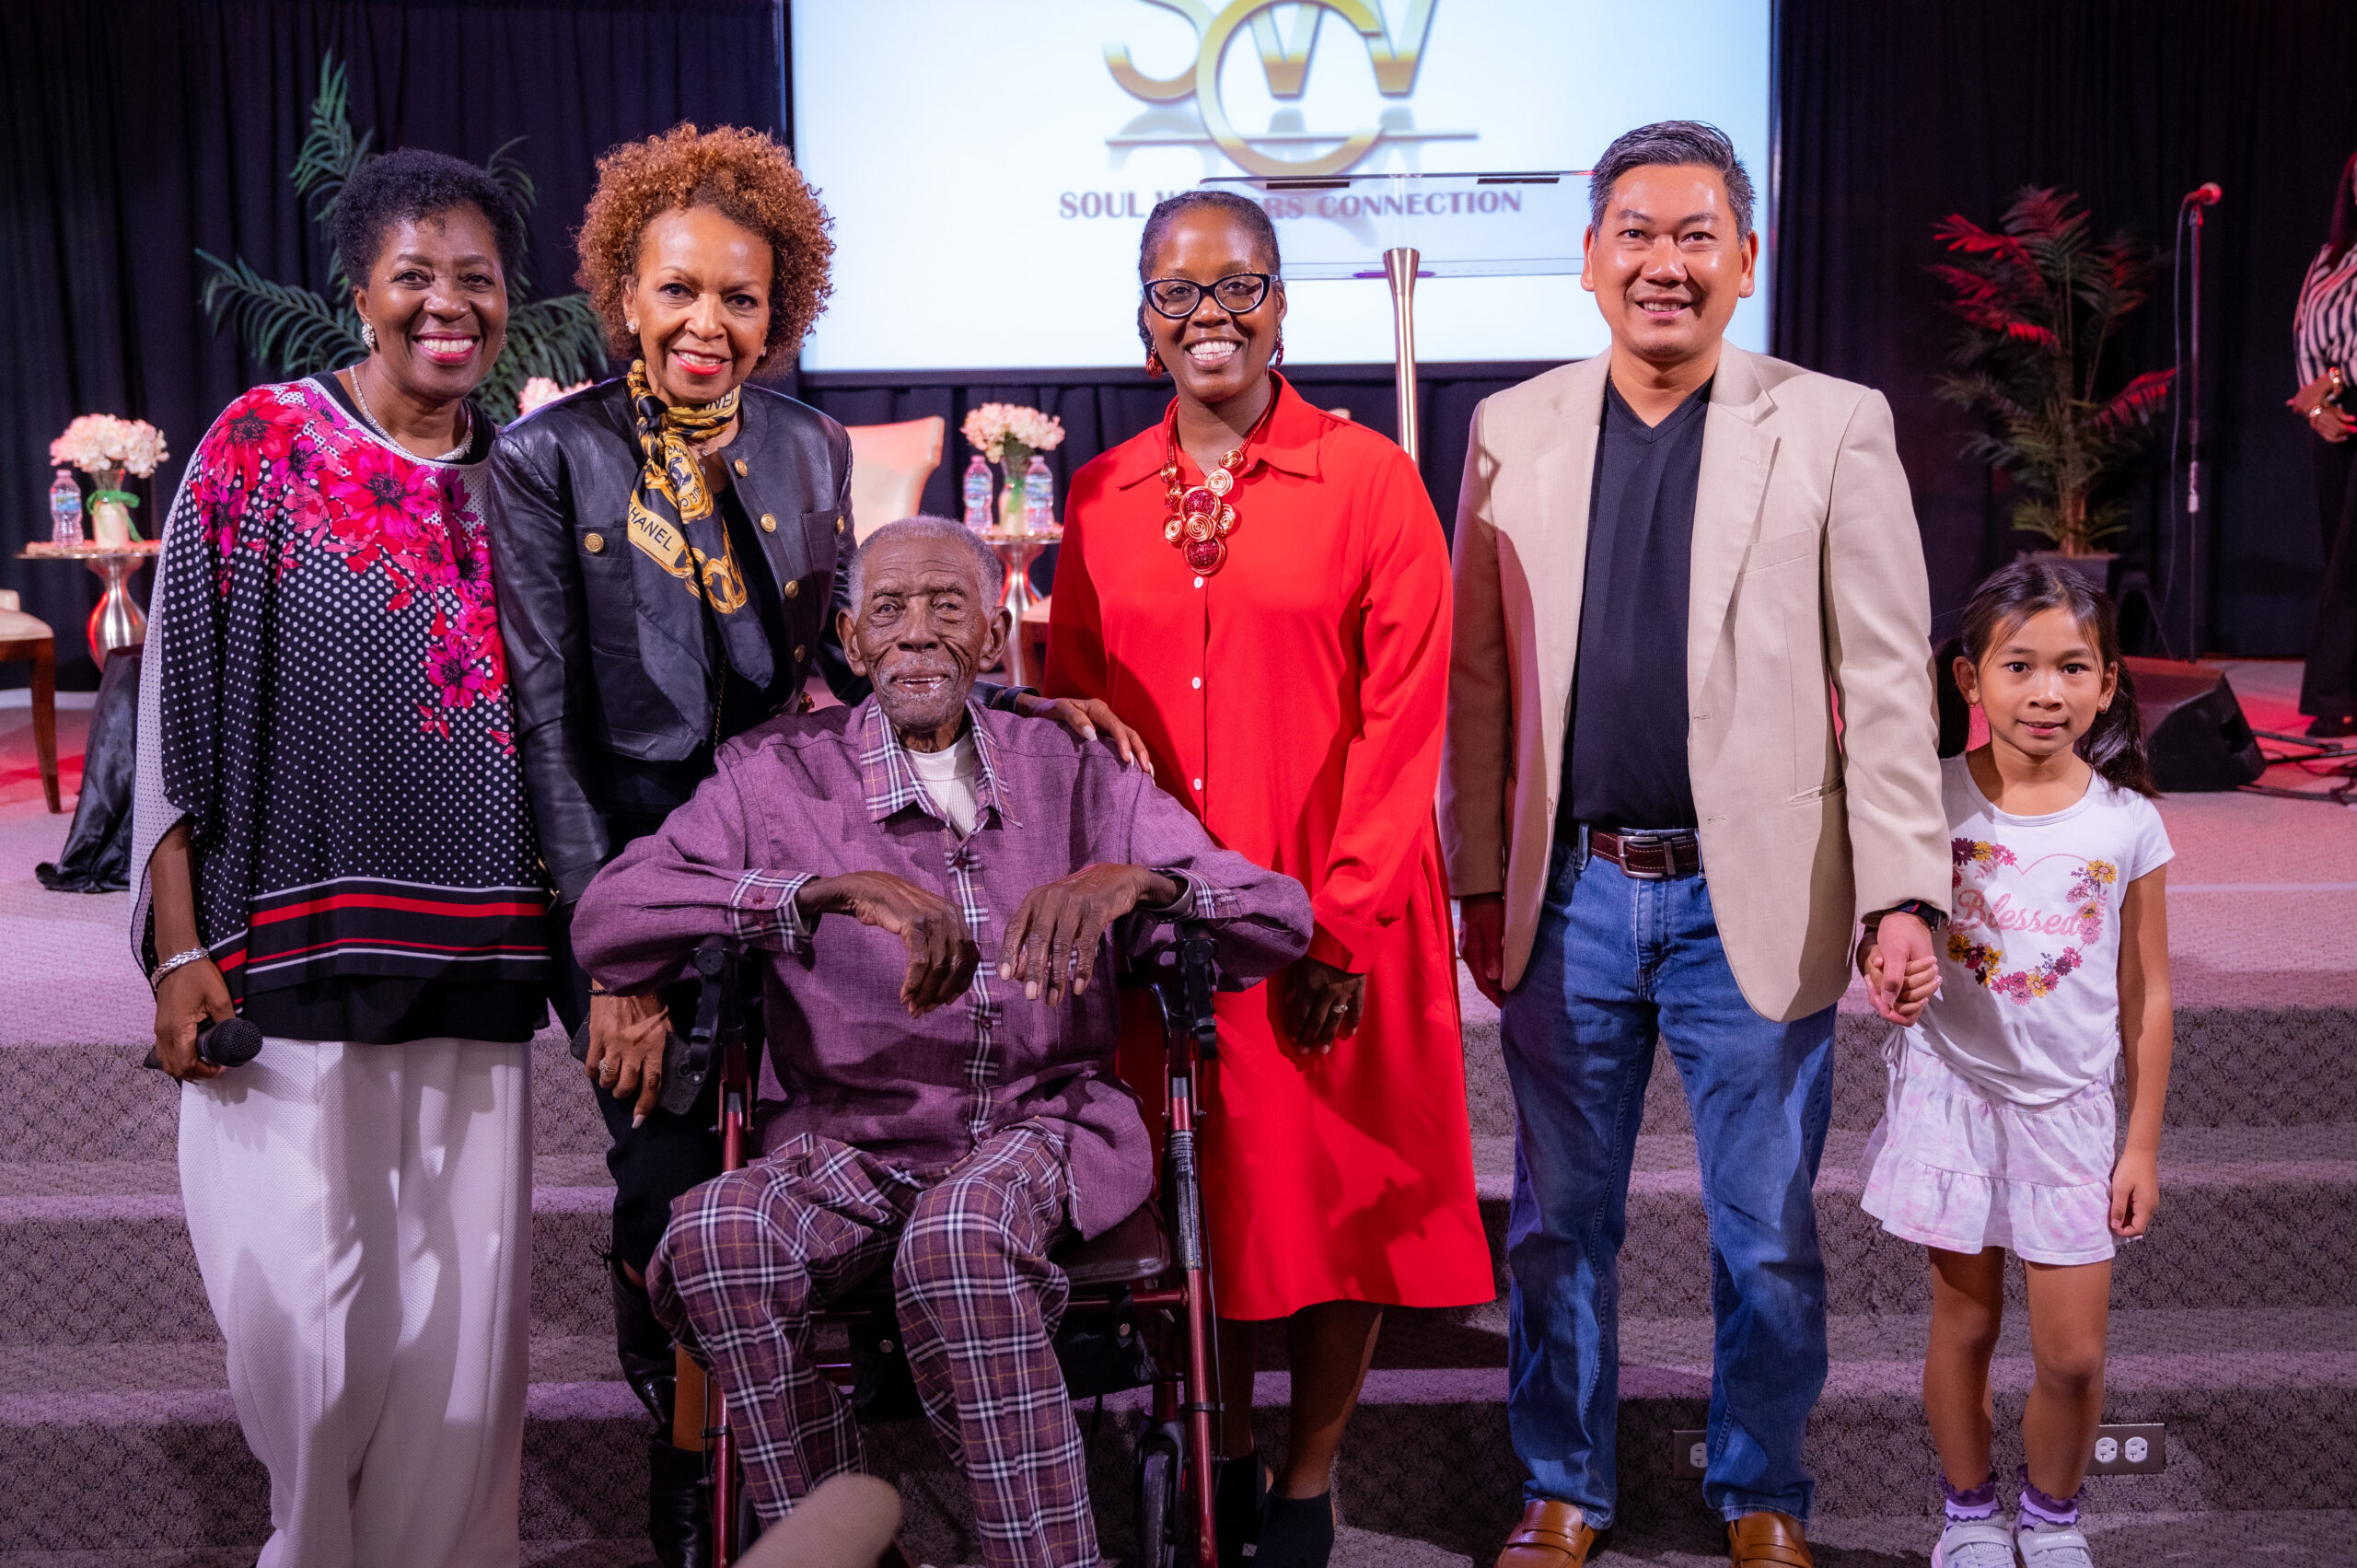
{"points": [[1052, 941], [942, 954]]}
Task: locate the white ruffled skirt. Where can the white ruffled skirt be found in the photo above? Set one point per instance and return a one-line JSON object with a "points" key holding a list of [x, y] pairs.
{"points": [[1953, 1168]]}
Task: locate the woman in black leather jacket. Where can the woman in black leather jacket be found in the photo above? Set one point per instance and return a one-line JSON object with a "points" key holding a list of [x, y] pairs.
{"points": [[666, 546]]}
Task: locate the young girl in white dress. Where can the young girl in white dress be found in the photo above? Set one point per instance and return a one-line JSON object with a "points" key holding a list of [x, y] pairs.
{"points": [[2000, 1129]]}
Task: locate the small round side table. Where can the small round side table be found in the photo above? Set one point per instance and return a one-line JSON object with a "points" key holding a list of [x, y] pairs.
{"points": [[1018, 547], [117, 623]]}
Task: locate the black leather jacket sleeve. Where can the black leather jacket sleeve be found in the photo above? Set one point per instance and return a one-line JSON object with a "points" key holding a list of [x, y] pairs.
{"points": [[544, 621]]}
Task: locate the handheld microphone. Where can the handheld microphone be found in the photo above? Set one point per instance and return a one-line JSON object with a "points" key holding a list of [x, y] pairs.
{"points": [[2205, 195], [230, 1042]]}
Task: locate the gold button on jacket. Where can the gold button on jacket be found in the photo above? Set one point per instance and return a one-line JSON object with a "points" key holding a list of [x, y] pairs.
{"points": [[769, 523], [593, 542], [792, 587]]}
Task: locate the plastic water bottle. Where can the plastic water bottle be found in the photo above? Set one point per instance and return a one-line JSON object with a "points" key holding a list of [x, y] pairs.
{"points": [[65, 510], [977, 494], [1038, 497]]}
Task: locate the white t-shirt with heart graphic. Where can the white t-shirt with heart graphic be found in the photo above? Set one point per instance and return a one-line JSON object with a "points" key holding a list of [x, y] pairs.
{"points": [[2028, 1007]]}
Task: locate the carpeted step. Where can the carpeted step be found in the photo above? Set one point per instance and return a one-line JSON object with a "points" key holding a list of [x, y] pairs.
{"points": [[2310, 1539], [97, 1252], [97, 1466], [2239, 1066], [2252, 1066], [76, 1102], [2248, 1217]]}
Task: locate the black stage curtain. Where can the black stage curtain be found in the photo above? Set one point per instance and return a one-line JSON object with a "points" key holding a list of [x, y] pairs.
{"points": [[1894, 115], [138, 131]]}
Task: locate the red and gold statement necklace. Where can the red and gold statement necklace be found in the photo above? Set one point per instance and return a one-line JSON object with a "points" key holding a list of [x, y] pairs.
{"points": [[1200, 516]]}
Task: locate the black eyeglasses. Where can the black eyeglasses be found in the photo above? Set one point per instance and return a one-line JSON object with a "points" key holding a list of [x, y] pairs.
{"points": [[1237, 293]]}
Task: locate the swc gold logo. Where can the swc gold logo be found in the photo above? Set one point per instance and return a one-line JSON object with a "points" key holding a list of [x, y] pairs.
{"points": [[1284, 60]]}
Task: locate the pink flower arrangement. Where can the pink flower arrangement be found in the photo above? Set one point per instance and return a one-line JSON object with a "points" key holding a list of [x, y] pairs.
{"points": [[994, 427], [539, 389], [97, 442]]}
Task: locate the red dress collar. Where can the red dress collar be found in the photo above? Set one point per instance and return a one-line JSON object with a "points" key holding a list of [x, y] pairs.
{"points": [[1288, 443]]}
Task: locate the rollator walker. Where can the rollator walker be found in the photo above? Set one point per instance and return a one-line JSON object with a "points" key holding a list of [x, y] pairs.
{"points": [[1141, 1312]]}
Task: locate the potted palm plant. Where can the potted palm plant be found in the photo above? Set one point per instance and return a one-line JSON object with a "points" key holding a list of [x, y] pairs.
{"points": [[2040, 300], [300, 330]]}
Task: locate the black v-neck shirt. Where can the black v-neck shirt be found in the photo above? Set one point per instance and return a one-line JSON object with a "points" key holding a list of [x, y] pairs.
{"points": [[1624, 756]]}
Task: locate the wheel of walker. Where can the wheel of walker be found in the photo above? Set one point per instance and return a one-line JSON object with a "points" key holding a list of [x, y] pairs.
{"points": [[1159, 1517]]}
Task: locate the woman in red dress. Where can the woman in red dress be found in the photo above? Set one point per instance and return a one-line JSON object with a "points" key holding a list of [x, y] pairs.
{"points": [[1263, 589]]}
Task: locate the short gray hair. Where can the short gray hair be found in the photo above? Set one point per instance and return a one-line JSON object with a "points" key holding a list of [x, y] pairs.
{"points": [[991, 569], [1671, 142]]}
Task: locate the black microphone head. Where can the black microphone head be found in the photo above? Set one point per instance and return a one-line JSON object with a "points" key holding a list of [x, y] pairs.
{"points": [[232, 1042]]}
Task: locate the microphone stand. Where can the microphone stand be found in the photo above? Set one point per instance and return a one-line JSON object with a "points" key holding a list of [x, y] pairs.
{"points": [[2193, 449]]}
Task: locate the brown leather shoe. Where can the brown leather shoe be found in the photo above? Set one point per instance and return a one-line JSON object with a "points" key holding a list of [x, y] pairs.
{"points": [[1551, 1535], [1768, 1539]]}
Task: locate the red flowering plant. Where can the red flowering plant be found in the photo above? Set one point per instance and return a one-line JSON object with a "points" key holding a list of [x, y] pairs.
{"points": [[2040, 300]]}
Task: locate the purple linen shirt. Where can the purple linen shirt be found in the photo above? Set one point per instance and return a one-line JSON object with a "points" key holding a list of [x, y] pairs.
{"points": [[834, 792]]}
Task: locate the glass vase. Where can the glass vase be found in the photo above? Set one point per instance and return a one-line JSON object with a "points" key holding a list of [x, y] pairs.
{"points": [[1017, 457], [110, 520]]}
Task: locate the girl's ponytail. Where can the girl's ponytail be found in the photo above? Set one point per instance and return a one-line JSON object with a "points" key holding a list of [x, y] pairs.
{"points": [[2114, 744]]}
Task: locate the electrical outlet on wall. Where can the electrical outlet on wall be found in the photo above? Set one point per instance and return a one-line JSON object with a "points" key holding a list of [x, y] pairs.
{"points": [[1688, 1452], [2130, 1450]]}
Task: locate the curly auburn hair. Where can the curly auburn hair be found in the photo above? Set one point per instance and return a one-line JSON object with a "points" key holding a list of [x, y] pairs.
{"points": [[742, 174]]}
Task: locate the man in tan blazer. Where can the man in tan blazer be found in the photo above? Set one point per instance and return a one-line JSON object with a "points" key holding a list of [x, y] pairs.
{"points": [[1691, 741]]}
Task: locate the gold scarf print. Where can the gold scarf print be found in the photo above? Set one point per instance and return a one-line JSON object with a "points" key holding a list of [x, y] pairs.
{"points": [[670, 492]]}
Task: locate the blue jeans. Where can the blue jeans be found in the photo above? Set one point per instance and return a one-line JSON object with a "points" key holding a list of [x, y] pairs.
{"points": [[1617, 962]]}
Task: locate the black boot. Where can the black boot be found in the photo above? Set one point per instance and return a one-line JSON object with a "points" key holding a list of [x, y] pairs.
{"points": [[1238, 1497], [679, 1506], [1297, 1532], [649, 1365]]}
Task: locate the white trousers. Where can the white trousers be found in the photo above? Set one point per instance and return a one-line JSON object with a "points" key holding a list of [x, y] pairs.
{"points": [[363, 1218]]}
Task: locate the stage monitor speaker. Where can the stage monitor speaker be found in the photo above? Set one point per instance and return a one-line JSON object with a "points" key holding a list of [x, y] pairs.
{"points": [[2194, 727]]}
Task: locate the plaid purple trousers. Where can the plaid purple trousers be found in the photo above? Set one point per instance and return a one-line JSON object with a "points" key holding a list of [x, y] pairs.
{"points": [[749, 1255]]}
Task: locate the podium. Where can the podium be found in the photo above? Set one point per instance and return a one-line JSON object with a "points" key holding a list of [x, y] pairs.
{"points": [[1400, 227]]}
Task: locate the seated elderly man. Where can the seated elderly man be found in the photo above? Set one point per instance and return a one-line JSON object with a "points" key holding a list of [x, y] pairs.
{"points": [[954, 1116]]}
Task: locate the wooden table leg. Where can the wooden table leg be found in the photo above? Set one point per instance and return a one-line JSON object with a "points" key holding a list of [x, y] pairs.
{"points": [[45, 721]]}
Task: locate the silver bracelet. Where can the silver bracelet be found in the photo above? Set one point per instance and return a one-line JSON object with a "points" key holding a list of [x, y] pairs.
{"points": [[178, 961]]}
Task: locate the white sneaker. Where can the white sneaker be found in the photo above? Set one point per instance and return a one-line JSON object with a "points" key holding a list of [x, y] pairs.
{"points": [[1974, 1543], [2047, 1547]]}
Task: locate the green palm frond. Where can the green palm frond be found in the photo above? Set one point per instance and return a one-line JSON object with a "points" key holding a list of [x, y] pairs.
{"points": [[563, 339], [330, 154], [291, 328]]}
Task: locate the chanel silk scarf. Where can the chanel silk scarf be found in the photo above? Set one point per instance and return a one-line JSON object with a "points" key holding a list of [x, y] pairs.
{"points": [[675, 523]]}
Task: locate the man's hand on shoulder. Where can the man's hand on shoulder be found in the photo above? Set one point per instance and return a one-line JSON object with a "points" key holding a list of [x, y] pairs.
{"points": [[1051, 943], [941, 953]]}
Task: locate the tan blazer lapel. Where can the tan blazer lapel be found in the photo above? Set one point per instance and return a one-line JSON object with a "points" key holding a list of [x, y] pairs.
{"points": [[1737, 456], [1566, 469]]}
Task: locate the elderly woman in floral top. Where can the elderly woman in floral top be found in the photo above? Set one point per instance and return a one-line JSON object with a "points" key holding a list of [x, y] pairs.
{"points": [[334, 842]]}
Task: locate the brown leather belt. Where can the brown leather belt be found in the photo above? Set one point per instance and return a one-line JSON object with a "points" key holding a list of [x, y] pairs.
{"points": [[1648, 857]]}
